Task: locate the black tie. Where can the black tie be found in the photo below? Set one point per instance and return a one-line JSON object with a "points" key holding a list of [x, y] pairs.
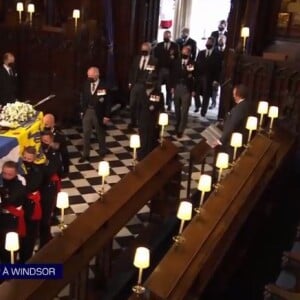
{"points": [[93, 87], [143, 63], [11, 72]]}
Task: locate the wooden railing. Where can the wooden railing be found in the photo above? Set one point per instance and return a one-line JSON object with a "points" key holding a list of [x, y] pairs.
{"points": [[93, 230], [188, 267]]}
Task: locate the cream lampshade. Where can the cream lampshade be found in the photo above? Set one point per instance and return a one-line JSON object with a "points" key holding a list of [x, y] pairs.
{"points": [[76, 13], [62, 202], [204, 186], [262, 109], [273, 114], [245, 32], [251, 125], [135, 141], [141, 261], [184, 213], [103, 169], [163, 119], [12, 244], [20, 6], [31, 8], [222, 160], [236, 142]]}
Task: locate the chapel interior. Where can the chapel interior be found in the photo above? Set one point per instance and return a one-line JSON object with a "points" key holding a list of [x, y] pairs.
{"points": [[244, 243]]}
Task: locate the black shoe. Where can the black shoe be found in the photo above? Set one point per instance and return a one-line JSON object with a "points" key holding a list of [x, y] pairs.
{"points": [[83, 159], [103, 153], [196, 110]]}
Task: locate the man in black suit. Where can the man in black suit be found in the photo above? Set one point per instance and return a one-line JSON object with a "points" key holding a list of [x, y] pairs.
{"points": [[182, 83], [221, 30], [185, 40], [208, 68], [143, 66], [166, 52], [96, 106], [237, 117], [8, 80]]}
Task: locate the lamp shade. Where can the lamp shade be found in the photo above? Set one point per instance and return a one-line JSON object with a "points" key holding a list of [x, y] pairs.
{"points": [[135, 141], [245, 32], [163, 119], [236, 140], [263, 107], [204, 184], [184, 211], [273, 112], [20, 6], [142, 258], [222, 160], [76, 13], [251, 123], [62, 200], [103, 169], [12, 241], [31, 8]]}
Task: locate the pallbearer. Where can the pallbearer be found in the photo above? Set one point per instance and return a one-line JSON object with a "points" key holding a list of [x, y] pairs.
{"points": [[151, 104], [33, 174], [13, 196], [51, 184]]}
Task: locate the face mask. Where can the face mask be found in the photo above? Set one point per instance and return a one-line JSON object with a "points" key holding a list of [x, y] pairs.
{"points": [[11, 65], [46, 128], [149, 86], [166, 40], [221, 28], [91, 80], [45, 147], [144, 52], [208, 47], [184, 36], [184, 56], [221, 45], [27, 164]]}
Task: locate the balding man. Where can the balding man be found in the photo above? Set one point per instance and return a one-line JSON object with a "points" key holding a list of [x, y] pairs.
{"points": [[186, 40], [8, 80], [60, 140], [96, 106], [143, 67]]}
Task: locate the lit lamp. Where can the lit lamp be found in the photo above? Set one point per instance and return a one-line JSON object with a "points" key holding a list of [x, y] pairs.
{"points": [[135, 143], [62, 203], [204, 186], [20, 8], [103, 171], [76, 16], [12, 244], [262, 109], [251, 125], [221, 163], [31, 10], [184, 213], [163, 121], [273, 114], [141, 261], [245, 33], [236, 142]]}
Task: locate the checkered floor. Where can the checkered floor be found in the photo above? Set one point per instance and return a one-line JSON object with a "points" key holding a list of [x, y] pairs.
{"points": [[83, 181]]}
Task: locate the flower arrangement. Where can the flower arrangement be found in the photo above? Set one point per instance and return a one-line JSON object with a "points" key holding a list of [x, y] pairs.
{"points": [[13, 114]]}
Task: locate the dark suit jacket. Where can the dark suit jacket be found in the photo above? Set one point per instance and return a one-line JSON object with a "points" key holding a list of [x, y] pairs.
{"points": [[8, 86], [215, 34], [103, 102], [136, 75], [189, 42], [179, 74], [60, 138], [165, 57], [235, 121]]}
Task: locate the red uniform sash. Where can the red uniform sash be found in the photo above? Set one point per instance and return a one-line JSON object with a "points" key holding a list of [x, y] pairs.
{"points": [[37, 211]]}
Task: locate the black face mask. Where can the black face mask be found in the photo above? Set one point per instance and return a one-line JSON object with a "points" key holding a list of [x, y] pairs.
{"points": [[45, 147], [11, 65], [184, 56], [149, 86], [91, 80], [28, 165], [208, 47], [166, 40], [46, 128], [184, 36], [221, 45], [144, 53], [221, 28]]}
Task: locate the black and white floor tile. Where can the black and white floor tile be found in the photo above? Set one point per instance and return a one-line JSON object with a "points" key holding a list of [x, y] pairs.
{"points": [[83, 181]]}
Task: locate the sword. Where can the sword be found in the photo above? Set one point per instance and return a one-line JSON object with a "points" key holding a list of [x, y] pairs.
{"points": [[44, 100]]}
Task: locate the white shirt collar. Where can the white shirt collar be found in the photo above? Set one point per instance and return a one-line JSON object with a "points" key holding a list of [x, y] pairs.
{"points": [[7, 68], [241, 100]]}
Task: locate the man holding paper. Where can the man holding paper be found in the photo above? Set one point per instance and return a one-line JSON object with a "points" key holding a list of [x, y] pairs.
{"points": [[236, 118]]}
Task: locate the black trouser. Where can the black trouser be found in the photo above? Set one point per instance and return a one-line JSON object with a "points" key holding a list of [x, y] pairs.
{"points": [[28, 242], [8, 223], [149, 134], [204, 88], [136, 93], [164, 78], [49, 194]]}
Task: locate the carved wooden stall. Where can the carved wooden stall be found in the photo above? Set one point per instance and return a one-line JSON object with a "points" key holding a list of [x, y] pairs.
{"points": [[93, 231], [187, 268]]}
